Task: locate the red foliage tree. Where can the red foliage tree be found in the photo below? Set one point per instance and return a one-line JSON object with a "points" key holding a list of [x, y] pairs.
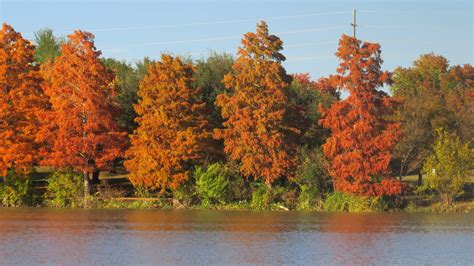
{"points": [[173, 132], [258, 131], [362, 137], [79, 129], [20, 98]]}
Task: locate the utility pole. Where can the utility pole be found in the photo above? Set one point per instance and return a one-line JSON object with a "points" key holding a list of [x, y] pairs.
{"points": [[353, 24]]}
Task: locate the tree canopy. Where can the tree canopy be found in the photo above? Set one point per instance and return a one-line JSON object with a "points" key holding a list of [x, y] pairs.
{"points": [[20, 98], [432, 95], [257, 131], [201, 128], [362, 137], [79, 130], [173, 132]]}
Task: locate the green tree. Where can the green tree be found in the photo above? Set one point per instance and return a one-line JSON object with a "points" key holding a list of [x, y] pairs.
{"points": [[126, 83], [307, 97], [208, 76], [447, 168], [432, 95], [310, 175], [48, 46], [142, 67]]}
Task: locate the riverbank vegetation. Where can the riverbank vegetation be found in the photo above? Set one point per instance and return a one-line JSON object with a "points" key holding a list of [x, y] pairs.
{"points": [[80, 130]]}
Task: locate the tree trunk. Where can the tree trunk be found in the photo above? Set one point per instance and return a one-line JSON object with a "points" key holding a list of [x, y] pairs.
{"points": [[420, 179], [95, 177], [400, 173], [87, 189]]}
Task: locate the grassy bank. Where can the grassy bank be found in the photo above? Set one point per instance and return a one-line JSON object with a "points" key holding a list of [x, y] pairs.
{"points": [[116, 191], [412, 204]]}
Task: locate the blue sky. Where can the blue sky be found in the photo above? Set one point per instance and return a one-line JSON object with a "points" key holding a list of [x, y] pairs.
{"points": [[310, 30]]}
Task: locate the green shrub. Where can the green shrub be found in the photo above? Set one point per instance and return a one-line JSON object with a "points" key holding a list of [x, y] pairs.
{"points": [[308, 198], [184, 194], [261, 198], [338, 201], [312, 179], [64, 189], [16, 190], [276, 197], [311, 171], [212, 184], [239, 189], [447, 169]]}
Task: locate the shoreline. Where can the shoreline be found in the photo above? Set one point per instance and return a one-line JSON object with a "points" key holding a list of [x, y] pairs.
{"points": [[160, 204]]}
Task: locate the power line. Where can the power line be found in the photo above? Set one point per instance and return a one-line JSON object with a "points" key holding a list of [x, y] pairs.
{"points": [[309, 44], [306, 58], [405, 28], [234, 37], [208, 22]]}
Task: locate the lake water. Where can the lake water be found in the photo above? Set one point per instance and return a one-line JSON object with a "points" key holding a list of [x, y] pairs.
{"points": [[130, 237]]}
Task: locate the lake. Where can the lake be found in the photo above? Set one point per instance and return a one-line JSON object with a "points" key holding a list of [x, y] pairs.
{"points": [[183, 237]]}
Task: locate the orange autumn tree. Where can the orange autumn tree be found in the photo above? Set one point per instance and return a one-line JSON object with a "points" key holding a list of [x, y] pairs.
{"points": [[20, 98], [173, 133], [362, 137], [79, 129], [257, 132]]}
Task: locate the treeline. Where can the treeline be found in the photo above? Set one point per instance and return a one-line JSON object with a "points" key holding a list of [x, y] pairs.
{"points": [[226, 130]]}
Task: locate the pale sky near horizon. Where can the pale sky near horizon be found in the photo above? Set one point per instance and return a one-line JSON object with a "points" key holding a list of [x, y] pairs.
{"points": [[130, 30]]}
